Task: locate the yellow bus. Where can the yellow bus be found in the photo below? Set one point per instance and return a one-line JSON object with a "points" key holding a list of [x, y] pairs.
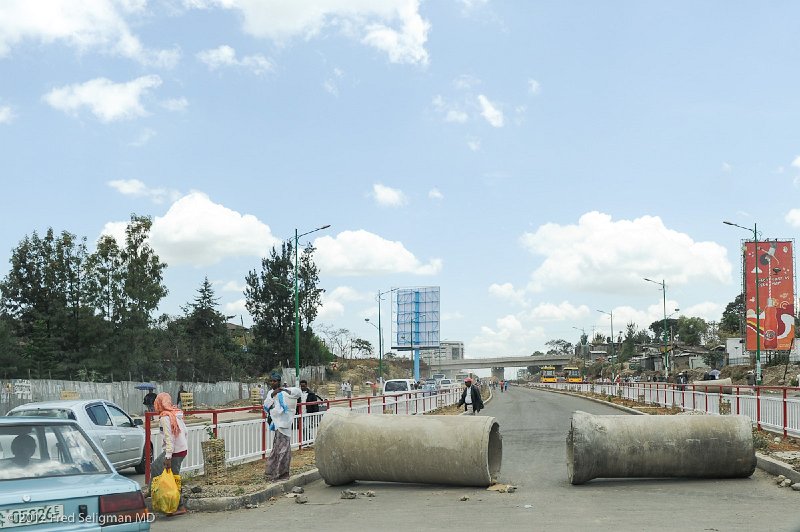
{"points": [[549, 374], [572, 374]]}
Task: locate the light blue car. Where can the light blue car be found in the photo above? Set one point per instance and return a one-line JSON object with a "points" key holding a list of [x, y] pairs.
{"points": [[53, 477]]}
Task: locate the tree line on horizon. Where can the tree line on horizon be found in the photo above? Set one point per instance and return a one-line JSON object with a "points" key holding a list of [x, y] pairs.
{"points": [[691, 331], [67, 313]]}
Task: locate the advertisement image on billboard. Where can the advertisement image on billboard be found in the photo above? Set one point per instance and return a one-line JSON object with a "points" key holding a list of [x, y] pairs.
{"points": [[773, 263]]}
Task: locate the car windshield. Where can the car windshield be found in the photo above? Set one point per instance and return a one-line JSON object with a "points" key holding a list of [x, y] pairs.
{"points": [[396, 386], [60, 413], [36, 451]]}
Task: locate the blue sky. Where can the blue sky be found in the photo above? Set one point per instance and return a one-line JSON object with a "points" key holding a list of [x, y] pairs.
{"points": [[535, 160]]}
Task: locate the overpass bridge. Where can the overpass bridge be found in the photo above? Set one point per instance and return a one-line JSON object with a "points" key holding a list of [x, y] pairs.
{"points": [[498, 362]]}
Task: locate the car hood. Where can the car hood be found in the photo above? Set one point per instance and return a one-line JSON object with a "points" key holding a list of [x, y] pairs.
{"points": [[62, 488]]}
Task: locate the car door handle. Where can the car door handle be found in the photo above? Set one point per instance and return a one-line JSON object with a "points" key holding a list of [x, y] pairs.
{"points": [[102, 438]]}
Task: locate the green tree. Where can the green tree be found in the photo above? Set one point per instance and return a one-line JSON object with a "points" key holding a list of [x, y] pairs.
{"points": [[692, 331], [211, 345], [269, 300], [559, 347], [41, 300], [628, 348], [658, 327], [732, 316]]}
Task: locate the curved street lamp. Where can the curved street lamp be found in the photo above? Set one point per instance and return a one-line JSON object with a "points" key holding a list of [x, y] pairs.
{"points": [[611, 315], [297, 304], [758, 302], [664, 332], [583, 349]]}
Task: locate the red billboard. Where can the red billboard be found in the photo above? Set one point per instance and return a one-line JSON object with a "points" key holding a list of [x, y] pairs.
{"points": [[773, 263]]}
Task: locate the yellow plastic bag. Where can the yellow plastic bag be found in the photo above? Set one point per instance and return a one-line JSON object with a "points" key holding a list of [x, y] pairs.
{"points": [[165, 493]]}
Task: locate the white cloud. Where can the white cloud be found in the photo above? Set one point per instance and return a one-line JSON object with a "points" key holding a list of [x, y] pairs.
{"points": [[225, 56], [199, 232], [233, 286], [237, 308], [507, 292], [465, 81], [364, 253], [534, 87], [83, 25], [451, 112], [490, 112], [509, 337], [435, 194], [175, 104], [388, 197], [331, 87], [602, 255], [6, 115], [471, 5], [107, 100], [144, 137], [334, 302], [793, 217], [391, 26], [137, 189], [796, 162], [563, 311], [474, 144], [727, 167], [456, 115]]}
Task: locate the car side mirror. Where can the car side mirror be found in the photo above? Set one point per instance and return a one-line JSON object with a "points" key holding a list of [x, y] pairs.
{"points": [[138, 422]]}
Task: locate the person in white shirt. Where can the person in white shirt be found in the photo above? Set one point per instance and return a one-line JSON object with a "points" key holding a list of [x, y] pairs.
{"points": [[471, 397], [280, 405]]}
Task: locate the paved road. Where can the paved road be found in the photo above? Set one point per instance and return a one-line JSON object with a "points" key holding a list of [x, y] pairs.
{"points": [[534, 425]]}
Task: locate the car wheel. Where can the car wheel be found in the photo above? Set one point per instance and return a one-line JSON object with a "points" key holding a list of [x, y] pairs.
{"points": [[140, 466]]}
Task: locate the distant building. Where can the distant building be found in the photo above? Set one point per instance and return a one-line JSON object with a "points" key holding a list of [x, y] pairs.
{"points": [[447, 350]]}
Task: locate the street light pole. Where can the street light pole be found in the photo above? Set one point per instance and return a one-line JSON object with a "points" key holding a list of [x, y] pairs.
{"points": [[758, 301], [379, 298], [611, 315], [583, 349], [664, 332], [297, 303]]}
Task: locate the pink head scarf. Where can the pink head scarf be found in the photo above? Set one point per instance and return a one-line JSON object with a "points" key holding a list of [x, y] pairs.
{"points": [[164, 407]]}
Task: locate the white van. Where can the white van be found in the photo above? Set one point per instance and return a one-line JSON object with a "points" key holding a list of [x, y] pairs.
{"points": [[446, 384], [398, 386]]}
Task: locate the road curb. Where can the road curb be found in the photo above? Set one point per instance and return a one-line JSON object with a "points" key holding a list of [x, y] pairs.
{"points": [[763, 462], [221, 504]]}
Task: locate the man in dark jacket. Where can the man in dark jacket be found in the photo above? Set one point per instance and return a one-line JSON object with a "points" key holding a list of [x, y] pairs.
{"points": [[307, 396], [471, 396]]}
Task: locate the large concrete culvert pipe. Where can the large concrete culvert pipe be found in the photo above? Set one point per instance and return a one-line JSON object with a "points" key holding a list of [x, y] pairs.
{"points": [[457, 450], [659, 446]]}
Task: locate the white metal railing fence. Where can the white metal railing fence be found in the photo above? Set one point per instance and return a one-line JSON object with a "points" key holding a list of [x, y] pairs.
{"points": [[249, 439], [775, 408]]}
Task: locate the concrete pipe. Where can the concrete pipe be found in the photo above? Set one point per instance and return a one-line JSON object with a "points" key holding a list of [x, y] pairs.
{"points": [[457, 450], [714, 386], [659, 446]]}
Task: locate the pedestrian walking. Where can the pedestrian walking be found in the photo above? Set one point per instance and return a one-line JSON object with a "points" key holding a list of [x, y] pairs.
{"points": [[502, 386], [175, 446], [471, 397], [348, 389], [178, 397], [279, 416], [149, 400], [307, 396]]}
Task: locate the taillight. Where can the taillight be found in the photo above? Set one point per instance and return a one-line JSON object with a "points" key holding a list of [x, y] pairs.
{"points": [[122, 508]]}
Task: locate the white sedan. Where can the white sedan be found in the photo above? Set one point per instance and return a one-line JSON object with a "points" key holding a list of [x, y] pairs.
{"points": [[119, 436]]}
